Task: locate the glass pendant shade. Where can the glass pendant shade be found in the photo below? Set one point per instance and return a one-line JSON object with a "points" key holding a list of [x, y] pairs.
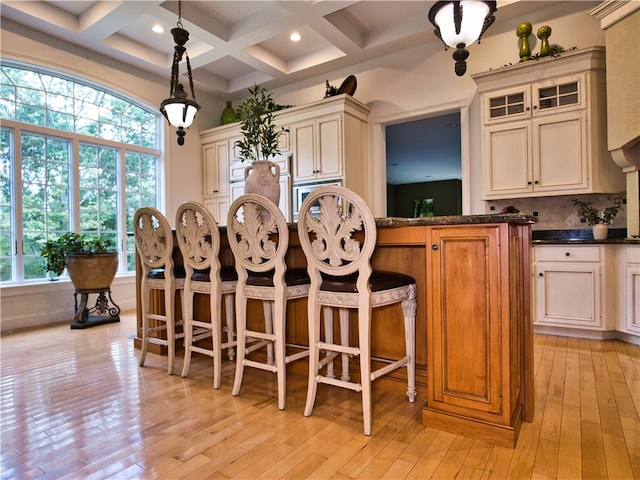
{"points": [[180, 113], [473, 15], [461, 23]]}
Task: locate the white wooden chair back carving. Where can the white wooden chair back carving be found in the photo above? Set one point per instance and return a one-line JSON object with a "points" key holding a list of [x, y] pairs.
{"points": [[258, 235], [154, 240], [198, 239], [328, 239]]}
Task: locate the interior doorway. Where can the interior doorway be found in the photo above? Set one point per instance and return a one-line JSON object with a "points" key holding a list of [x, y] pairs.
{"points": [[424, 166]]}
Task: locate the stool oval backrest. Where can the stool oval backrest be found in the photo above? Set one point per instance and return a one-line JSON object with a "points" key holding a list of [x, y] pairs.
{"points": [[198, 238], [340, 240], [154, 239]]}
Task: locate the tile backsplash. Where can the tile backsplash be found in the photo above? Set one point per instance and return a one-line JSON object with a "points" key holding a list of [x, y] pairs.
{"points": [[558, 213]]}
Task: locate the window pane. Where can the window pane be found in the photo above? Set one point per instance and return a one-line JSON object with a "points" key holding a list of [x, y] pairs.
{"points": [[6, 237], [45, 197], [140, 173]]}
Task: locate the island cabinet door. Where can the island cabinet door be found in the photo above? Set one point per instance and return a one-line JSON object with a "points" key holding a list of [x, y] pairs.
{"points": [[468, 326]]}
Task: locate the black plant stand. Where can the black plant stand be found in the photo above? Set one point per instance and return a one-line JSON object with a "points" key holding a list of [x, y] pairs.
{"points": [[100, 314]]}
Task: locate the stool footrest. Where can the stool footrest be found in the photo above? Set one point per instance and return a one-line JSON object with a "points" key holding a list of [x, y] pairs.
{"points": [[296, 356], [260, 365], [339, 383], [389, 368], [332, 347]]}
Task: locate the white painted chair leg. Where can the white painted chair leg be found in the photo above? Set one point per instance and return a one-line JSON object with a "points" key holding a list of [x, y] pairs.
{"points": [[328, 336], [241, 329], [314, 354], [229, 300], [344, 339], [267, 307], [409, 311]]}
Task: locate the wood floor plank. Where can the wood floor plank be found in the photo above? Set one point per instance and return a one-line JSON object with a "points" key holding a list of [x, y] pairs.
{"points": [[75, 404]]}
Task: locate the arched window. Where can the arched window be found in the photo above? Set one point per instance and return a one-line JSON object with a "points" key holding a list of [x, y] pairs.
{"points": [[74, 156]]}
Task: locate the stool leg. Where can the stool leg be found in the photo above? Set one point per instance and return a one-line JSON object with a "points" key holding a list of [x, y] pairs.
{"points": [[344, 339], [328, 337], [215, 302], [169, 307], [314, 353], [229, 299], [145, 322], [279, 312], [267, 307], [241, 329], [409, 307], [364, 336], [187, 321]]}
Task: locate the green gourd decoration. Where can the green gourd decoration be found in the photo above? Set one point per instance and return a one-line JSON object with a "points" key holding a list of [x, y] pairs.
{"points": [[523, 31], [544, 32], [228, 115]]}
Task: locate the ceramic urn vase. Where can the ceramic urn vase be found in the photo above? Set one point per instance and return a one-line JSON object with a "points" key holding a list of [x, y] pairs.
{"points": [[263, 177]]}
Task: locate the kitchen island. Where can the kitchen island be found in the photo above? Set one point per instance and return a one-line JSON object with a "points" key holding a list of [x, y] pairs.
{"points": [[474, 344]]}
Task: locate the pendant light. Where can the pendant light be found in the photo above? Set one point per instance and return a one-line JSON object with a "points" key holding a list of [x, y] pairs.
{"points": [[459, 24], [179, 109]]}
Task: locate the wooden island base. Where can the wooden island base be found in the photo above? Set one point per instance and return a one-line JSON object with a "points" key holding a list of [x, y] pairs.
{"points": [[474, 339]]}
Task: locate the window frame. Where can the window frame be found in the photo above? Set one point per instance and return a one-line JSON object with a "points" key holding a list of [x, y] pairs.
{"points": [[17, 129]]}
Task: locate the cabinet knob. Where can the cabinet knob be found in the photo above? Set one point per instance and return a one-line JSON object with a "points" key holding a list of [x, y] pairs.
{"points": [[535, 107], [434, 247], [529, 183], [567, 254], [541, 274], [528, 108], [536, 182]]}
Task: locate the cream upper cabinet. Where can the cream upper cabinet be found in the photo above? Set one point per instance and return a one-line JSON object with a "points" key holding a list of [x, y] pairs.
{"points": [[329, 142], [317, 152], [216, 168], [544, 128]]}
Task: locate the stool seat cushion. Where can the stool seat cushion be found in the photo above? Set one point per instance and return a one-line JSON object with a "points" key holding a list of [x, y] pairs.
{"points": [[158, 273], [293, 277], [378, 281], [227, 274]]}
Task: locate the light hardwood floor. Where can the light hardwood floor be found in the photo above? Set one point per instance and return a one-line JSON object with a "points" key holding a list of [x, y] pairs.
{"points": [[75, 405]]}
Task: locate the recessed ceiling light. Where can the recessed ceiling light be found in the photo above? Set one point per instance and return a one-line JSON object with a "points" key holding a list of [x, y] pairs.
{"points": [[158, 28], [295, 37]]}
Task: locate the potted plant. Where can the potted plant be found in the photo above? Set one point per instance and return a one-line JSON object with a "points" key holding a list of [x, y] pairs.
{"points": [[600, 221], [58, 252], [91, 263], [259, 143]]}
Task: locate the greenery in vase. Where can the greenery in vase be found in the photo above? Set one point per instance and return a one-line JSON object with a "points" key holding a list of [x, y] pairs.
{"points": [[255, 113], [55, 251], [587, 211]]}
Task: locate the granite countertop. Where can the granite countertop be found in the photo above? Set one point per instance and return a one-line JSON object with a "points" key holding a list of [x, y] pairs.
{"points": [[581, 236], [390, 222]]}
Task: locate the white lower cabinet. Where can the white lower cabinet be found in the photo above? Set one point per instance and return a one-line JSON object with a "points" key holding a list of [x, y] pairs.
{"points": [[630, 317], [574, 286]]}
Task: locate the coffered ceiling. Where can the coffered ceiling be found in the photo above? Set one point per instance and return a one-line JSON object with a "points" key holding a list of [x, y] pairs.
{"points": [[235, 44]]}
